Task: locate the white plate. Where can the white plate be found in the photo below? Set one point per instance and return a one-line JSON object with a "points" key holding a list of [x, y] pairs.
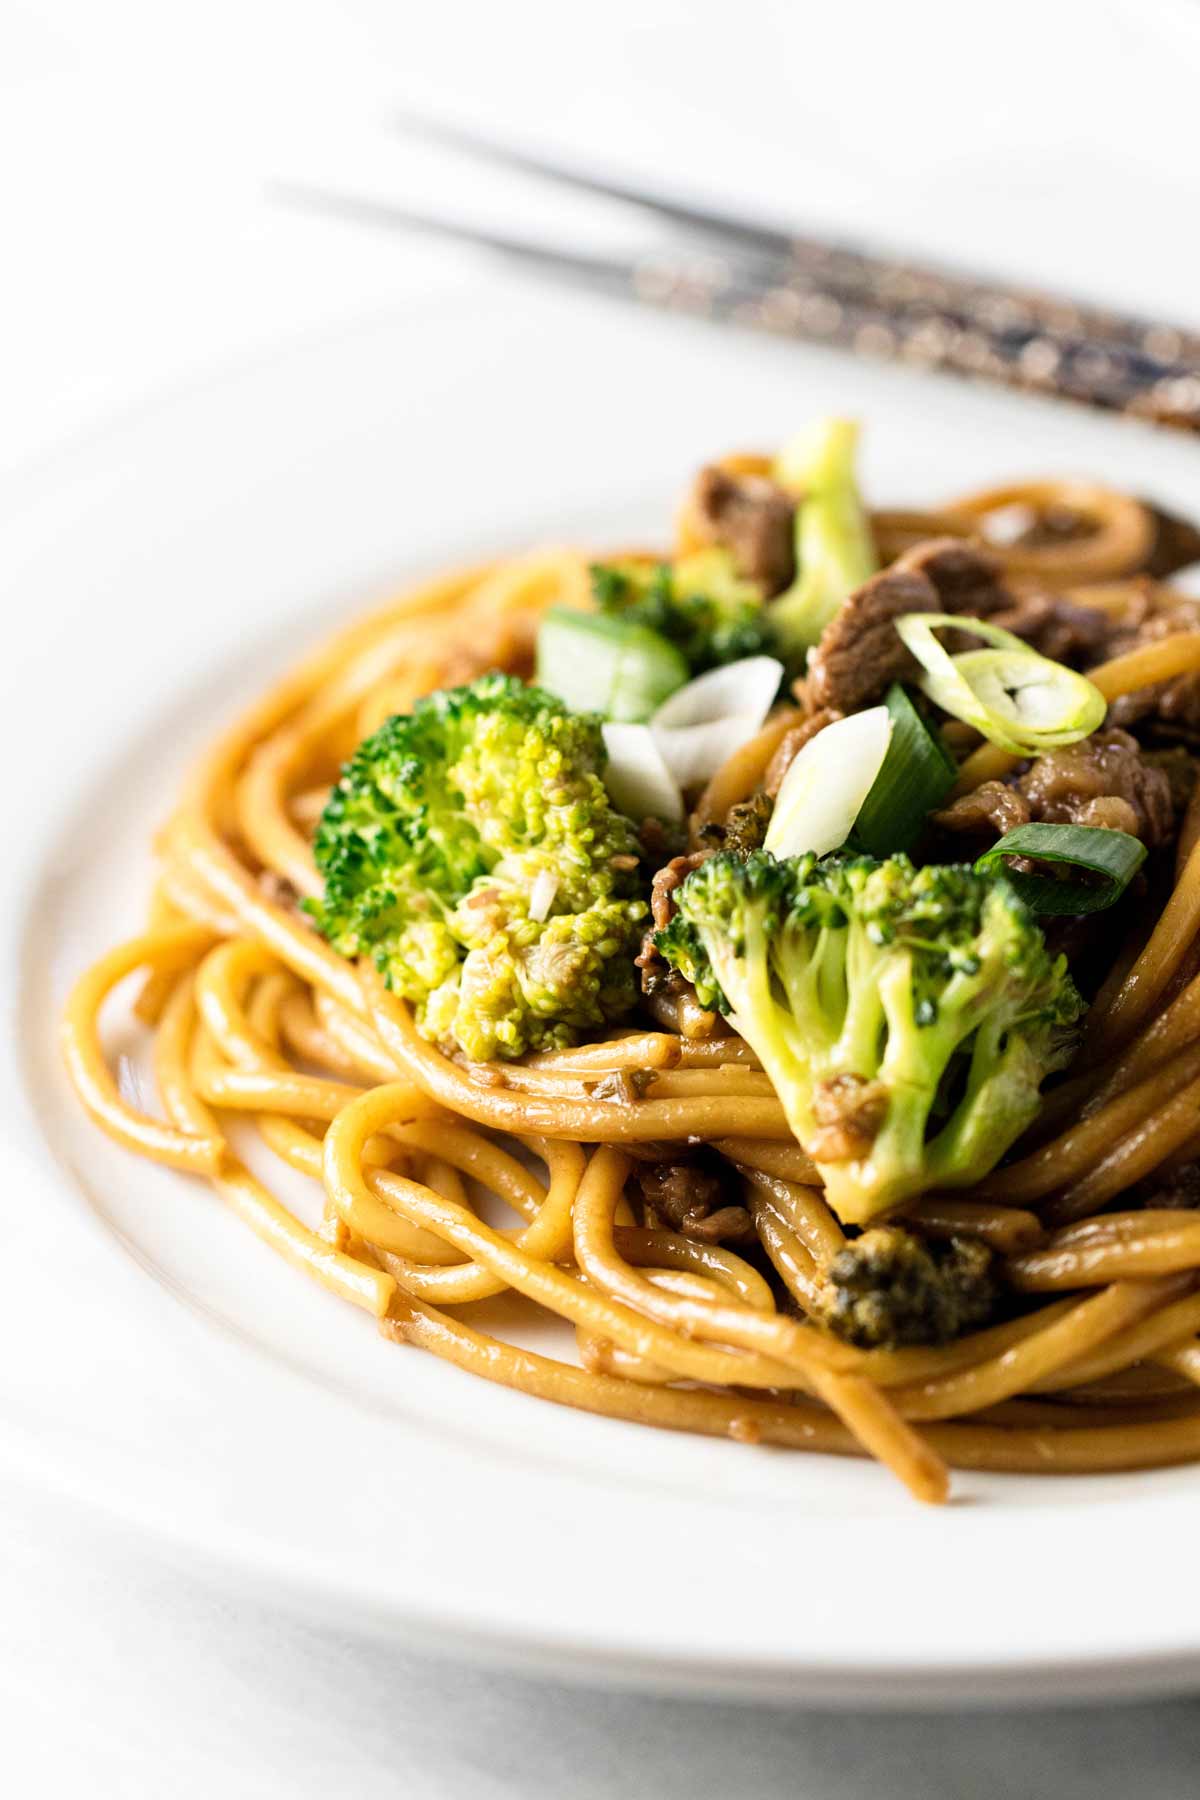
{"points": [[163, 1364]]}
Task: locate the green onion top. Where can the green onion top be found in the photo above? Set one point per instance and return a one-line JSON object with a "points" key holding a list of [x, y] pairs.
{"points": [[917, 774], [1108, 861], [612, 666], [1021, 701]]}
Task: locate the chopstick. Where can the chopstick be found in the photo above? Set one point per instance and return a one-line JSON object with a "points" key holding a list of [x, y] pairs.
{"points": [[852, 272], [749, 274]]}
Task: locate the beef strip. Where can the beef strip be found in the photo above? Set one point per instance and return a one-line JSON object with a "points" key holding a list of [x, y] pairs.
{"points": [[964, 576], [1148, 624], [671, 876], [1103, 780], [860, 654], [992, 808], [970, 580], [693, 1200], [753, 518], [1076, 635], [657, 975], [1172, 707]]}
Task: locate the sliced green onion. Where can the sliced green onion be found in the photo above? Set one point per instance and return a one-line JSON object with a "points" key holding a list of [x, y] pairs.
{"points": [[835, 551], [639, 782], [917, 774], [702, 724], [1114, 857], [1019, 700], [607, 665], [822, 793]]}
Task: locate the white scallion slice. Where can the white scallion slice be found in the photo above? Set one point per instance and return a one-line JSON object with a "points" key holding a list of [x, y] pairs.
{"points": [[824, 790], [541, 894], [1019, 700], [701, 725], [638, 780]]}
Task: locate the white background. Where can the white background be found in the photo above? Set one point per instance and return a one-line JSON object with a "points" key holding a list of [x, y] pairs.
{"points": [[138, 252]]}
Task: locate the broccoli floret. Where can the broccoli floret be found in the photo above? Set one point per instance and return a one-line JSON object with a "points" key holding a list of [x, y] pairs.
{"points": [[925, 996], [835, 552], [888, 1288], [699, 604], [447, 826]]}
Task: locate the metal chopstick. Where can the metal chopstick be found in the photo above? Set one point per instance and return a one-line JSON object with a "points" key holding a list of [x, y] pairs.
{"points": [[1011, 351], [848, 271]]}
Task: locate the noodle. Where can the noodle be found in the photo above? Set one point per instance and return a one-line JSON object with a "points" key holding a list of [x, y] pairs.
{"points": [[255, 1017]]}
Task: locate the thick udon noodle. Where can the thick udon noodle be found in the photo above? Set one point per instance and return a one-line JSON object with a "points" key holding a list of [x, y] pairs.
{"points": [[255, 1019]]}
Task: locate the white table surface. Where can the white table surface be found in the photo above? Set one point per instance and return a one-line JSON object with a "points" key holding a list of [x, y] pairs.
{"points": [[138, 253]]}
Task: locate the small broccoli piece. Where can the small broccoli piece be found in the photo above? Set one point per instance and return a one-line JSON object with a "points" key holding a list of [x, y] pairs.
{"points": [[922, 1000], [888, 1288], [449, 828], [698, 603], [835, 551], [745, 826]]}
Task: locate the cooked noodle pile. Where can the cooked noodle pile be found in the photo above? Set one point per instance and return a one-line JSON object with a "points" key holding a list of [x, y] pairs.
{"points": [[1090, 1364]]}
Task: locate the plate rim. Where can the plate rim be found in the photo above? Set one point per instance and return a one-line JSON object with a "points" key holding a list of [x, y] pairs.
{"points": [[1104, 1671]]}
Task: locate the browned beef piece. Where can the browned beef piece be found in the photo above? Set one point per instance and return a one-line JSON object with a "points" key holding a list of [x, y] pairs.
{"points": [[693, 1200], [993, 808], [1176, 543], [667, 879], [753, 519], [791, 745], [1172, 706], [1076, 635], [1104, 780], [860, 653], [849, 1111], [969, 580], [1148, 624], [965, 577], [657, 975]]}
